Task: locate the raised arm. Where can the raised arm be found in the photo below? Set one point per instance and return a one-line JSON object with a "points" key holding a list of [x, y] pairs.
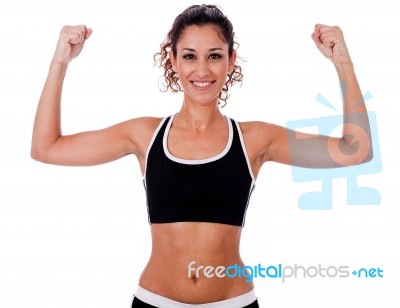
{"points": [[276, 143], [86, 148]]}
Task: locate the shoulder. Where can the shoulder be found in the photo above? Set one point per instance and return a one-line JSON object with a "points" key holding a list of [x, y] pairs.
{"points": [[140, 130], [259, 136], [144, 124], [256, 130]]}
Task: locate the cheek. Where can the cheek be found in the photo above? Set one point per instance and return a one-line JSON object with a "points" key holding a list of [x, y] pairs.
{"points": [[224, 69], [221, 68], [184, 68]]}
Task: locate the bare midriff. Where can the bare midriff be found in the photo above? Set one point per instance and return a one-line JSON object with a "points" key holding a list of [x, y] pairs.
{"points": [[175, 245]]}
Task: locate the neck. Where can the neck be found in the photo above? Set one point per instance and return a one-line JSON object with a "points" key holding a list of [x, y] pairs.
{"points": [[199, 117]]}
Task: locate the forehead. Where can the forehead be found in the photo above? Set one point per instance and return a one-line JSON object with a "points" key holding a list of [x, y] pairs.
{"points": [[207, 36]]}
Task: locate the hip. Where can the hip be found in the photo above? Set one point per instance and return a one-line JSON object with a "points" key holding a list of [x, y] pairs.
{"points": [[147, 299]]}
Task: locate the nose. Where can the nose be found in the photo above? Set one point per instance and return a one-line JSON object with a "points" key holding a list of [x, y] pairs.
{"points": [[202, 68]]}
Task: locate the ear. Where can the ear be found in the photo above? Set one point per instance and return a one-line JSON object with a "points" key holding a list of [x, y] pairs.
{"points": [[232, 62], [173, 61]]}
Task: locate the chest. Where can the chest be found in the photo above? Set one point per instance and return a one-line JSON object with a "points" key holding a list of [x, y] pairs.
{"points": [[196, 146]]}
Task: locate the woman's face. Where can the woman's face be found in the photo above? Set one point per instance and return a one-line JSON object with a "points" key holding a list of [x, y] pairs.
{"points": [[202, 63]]}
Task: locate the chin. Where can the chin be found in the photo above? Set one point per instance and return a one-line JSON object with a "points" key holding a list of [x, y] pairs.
{"points": [[203, 101]]}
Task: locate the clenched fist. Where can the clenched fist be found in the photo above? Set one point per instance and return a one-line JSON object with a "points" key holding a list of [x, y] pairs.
{"points": [[330, 42], [70, 43]]}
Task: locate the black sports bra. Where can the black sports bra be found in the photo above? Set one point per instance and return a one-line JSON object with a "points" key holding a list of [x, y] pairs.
{"points": [[216, 189]]}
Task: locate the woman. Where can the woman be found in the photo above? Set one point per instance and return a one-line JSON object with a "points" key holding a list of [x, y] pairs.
{"points": [[199, 166]]}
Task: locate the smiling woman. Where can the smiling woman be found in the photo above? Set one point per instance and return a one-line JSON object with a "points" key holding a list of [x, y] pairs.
{"points": [[202, 69], [197, 16], [199, 166]]}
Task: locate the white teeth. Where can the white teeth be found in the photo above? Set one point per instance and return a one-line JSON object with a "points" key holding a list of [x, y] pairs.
{"points": [[201, 84]]}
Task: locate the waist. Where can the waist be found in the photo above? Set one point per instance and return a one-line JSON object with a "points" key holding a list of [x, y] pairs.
{"points": [[195, 282], [188, 260], [195, 238], [156, 300]]}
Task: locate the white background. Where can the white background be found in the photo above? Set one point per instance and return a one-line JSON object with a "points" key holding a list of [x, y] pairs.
{"points": [[79, 237]]}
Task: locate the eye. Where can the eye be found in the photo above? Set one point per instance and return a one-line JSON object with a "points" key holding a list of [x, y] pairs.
{"points": [[189, 56], [215, 56]]}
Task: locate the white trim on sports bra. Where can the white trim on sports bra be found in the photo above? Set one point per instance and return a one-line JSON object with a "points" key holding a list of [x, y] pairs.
{"points": [[196, 161], [245, 152], [151, 144]]}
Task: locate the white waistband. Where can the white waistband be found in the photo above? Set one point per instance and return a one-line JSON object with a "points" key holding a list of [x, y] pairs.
{"points": [[161, 301]]}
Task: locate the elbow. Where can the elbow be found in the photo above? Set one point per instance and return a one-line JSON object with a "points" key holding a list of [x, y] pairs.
{"points": [[36, 150], [352, 154], [366, 152], [363, 157], [41, 149], [36, 155], [368, 157], [39, 154], [359, 148], [44, 152]]}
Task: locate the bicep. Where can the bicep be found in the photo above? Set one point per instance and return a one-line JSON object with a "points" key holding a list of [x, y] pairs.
{"points": [[313, 150], [92, 147]]}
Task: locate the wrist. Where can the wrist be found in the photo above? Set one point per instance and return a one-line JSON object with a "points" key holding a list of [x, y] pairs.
{"points": [[58, 63], [56, 66], [344, 69]]}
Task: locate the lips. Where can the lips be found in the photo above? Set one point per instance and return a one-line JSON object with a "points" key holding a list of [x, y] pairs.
{"points": [[202, 85]]}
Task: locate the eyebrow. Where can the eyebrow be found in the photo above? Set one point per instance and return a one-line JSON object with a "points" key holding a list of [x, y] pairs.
{"points": [[194, 50]]}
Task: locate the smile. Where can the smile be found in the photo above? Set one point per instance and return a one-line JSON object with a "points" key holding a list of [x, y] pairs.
{"points": [[203, 85]]}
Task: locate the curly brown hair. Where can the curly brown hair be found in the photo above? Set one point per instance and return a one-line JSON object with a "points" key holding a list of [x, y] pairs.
{"points": [[197, 15]]}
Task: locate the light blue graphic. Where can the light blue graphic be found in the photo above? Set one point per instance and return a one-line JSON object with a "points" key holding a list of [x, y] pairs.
{"points": [[321, 99], [322, 200], [368, 273]]}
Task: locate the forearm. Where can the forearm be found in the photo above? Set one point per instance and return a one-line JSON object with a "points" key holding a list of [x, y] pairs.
{"points": [[47, 126], [356, 127], [352, 97]]}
